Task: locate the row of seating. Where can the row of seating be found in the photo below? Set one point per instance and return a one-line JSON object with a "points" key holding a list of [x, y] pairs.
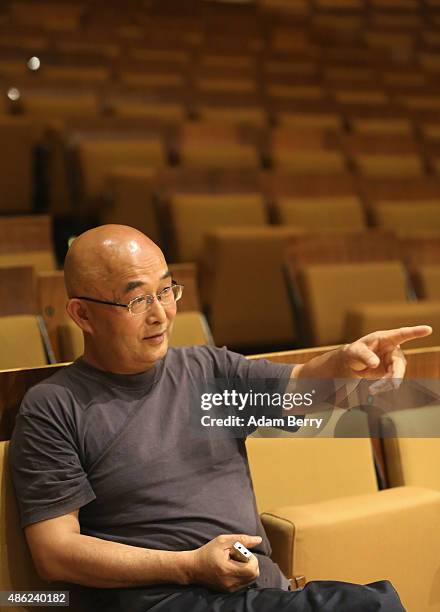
{"points": [[375, 268], [74, 168]]}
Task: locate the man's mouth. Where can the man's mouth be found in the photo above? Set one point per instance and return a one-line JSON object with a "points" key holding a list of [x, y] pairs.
{"points": [[156, 339]]}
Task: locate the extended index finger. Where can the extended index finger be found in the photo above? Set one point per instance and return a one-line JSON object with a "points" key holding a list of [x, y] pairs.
{"points": [[404, 334]]}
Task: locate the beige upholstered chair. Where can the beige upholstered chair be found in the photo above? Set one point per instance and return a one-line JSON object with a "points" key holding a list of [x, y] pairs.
{"points": [[193, 215], [21, 342], [326, 520], [412, 446]]}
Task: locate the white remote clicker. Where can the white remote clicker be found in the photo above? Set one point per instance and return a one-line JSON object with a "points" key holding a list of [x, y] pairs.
{"points": [[239, 552]]}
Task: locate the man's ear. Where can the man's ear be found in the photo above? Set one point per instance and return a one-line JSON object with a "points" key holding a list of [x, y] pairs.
{"points": [[78, 312]]}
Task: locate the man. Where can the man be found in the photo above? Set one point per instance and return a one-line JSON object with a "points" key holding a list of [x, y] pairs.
{"points": [[114, 494]]}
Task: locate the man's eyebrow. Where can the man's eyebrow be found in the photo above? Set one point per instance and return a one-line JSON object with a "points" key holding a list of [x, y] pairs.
{"points": [[130, 286]]}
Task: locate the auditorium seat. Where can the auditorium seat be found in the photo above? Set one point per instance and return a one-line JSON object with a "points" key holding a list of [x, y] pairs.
{"points": [[21, 342], [193, 215], [381, 125], [334, 504], [190, 328], [222, 156], [341, 247], [17, 571], [420, 249], [313, 120], [97, 156], [426, 279], [214, 85], [316, 151], [40, 261], [411, 443], [364, 318], [235, 114], [321, 213], [327, 292], [137, 106], [50, 104], [384, 155], [243, 287], [27, 241], [75, 75], [130, 200], [17, 290], [160, 80], [17, 568], [407, 216], [18, 137], [309, 162]]}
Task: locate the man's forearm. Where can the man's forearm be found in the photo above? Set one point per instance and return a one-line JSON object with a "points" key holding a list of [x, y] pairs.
{"points": [[104, 564], [327, 365]]}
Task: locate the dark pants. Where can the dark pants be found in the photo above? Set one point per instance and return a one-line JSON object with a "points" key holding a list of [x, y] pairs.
{"points": [[322, 596]]}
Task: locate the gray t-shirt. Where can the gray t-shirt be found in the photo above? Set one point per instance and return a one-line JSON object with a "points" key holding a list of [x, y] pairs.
{"points": [[120, 448]]}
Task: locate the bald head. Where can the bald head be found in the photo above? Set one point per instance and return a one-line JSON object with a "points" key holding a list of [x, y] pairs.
{"points": [[99, 255]]}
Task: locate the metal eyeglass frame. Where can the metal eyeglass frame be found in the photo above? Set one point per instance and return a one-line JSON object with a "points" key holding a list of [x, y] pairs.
{"points": [[149, 299]]}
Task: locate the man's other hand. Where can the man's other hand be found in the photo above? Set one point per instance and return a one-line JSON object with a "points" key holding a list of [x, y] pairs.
{"points": [[213, 567]]}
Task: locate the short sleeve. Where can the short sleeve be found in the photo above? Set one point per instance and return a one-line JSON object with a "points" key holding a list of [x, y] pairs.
{"points": [[258, 377], [46, 469], [256, 369]]}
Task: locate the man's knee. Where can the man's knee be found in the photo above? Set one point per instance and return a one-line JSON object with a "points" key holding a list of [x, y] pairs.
{"points": [[329, 596]]}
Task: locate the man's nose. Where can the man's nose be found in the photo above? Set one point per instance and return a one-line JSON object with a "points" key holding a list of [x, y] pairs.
{"points": [[156, 313]]}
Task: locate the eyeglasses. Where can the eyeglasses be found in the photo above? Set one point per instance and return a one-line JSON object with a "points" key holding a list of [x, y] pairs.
{"points": [[142, 303]]}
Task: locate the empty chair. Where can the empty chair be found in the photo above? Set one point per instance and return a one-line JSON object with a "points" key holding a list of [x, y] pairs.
{"points": [[74, 75], [193, 215], [243, 266], [50, 104], [306, 151], [126, 106], [420, 249], [327, 292], [341, 247], [27, 241], [407, 217], [222, 156], [21, 342], [426, 279], [130, 195], [362, 123], [321, 213], [365, 318], [215, 85], [19, 138], [296, 92], [408, 189], [96, 157], [335, 503], [411, 445], [310, 119], [190, 328], [385, 156], [17, 290], [235, 114]]}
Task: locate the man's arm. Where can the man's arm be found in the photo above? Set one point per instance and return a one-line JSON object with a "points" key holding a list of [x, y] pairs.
{"points": [[375, 356], [62, 553]]}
